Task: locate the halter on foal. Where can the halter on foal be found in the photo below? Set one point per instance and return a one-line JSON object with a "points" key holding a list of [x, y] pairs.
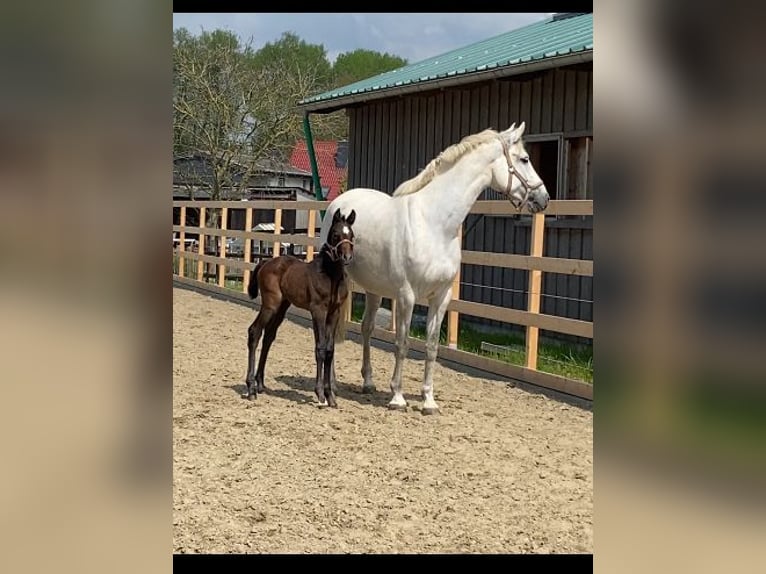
{"points": [[320, 287]]}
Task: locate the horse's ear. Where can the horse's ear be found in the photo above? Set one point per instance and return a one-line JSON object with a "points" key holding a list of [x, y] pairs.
{"points": [[351, 217], [336, 216], [516, 134]]}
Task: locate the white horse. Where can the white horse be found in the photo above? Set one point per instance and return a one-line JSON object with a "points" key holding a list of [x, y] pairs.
{"points": [[406, 245]]}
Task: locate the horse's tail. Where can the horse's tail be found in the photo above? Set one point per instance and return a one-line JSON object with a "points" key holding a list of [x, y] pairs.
{"points": [[340, 328], [252, 287]]}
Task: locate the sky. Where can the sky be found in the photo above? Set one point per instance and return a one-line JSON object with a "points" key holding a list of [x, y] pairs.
{"points": [[411, 36]]}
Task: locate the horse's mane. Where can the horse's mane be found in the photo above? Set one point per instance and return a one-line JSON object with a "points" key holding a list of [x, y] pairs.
{"points": [[444, 161]]}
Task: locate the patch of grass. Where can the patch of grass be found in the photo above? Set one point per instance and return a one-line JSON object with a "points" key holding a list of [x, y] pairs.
{"points": [[557, 359], [357, 312]]}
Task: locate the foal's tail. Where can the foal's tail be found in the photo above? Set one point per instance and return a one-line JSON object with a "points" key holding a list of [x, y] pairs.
{"points": [[252, 287], [345, 312]]}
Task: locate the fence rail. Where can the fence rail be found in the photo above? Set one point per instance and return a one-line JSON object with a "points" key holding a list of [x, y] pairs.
{"points": [[536, 263]]}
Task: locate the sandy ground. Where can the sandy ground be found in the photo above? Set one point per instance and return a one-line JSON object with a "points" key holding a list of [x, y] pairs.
{"points": [[500, 470]]}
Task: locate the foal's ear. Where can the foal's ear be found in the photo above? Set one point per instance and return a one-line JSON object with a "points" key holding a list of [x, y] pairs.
{"points": [[336, 216], [351, 217]]}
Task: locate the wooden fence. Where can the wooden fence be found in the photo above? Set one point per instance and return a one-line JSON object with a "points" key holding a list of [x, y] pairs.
{"points": [[535, 263]]}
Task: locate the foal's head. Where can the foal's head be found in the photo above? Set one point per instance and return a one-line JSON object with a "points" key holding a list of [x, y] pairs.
{"points": [[340, 238]]}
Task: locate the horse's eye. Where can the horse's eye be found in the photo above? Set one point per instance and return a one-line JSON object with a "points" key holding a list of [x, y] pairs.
{"points": [[525, 159]]}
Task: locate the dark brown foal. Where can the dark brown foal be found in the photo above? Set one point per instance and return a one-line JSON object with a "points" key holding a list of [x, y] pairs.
{"points": [[320, 287]]}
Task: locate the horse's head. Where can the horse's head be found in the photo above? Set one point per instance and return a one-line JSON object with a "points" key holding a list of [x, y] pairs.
{"points": [[513, 173], [340, 238]]}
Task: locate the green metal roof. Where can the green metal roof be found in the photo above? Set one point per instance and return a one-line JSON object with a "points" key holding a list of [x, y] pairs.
{"points": [[538, 42]]}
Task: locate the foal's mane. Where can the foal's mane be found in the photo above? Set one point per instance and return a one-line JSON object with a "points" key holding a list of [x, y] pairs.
{"points": [[444, 161]]}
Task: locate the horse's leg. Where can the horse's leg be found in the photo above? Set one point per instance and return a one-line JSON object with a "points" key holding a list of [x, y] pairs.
{"points": [[371, 306], [405, 303], [253, 336], [268, 338], [437, 307], [319, 320]]}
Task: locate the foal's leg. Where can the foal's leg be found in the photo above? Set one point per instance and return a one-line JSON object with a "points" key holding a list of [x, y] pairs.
{"points": [[268, 338], [253, 336], [405, 303], [437, 307], [319, 320], [371, 306], [329, 360]]}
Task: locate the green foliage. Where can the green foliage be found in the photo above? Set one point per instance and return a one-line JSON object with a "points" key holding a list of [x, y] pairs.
{"points": [[298, 57], [360, 64]]}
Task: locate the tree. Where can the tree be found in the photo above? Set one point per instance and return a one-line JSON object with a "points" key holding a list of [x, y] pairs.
{"points": [[307, 70], [209, 102], [360, 64], [299, 58], [236, 106]]}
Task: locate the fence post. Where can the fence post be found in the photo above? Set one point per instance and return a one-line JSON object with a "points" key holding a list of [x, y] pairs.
{"points": [[248, 247], [201, 248], [535, 288], [182, 244], [452, 317], [311, 227], [277, 231], [222, 266]]}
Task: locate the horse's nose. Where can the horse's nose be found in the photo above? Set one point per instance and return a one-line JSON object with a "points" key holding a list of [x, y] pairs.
{"points": [[542, 198]]}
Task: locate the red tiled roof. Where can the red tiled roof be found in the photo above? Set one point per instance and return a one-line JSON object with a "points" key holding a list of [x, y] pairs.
{"points": [[330, 175]]}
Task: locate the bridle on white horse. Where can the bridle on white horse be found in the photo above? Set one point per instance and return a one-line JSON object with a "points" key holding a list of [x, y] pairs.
{"points": [[512, 171]]}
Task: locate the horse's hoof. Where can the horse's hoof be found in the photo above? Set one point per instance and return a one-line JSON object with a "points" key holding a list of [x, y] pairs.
{"points": [[251, 397], [396, 407], [430, 411], [368, 390]]}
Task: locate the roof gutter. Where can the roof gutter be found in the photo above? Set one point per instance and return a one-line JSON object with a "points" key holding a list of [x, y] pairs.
{"points": [[329, 106]]}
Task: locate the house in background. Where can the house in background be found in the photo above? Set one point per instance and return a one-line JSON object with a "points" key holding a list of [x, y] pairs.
{"points": [[332, 163], [192, 179]]}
